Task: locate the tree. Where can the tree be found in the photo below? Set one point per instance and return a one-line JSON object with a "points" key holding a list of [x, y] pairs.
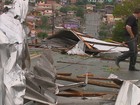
{"points": [[68, 8], [126, 8], [42, 35], [44, 20], [81, 2], [123, 10], [80, 12], [8, 2], [78, 9], [99, 5], [64, 9], [105, 31], [118, 32]]}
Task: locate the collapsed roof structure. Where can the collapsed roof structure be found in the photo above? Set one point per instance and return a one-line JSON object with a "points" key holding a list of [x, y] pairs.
{"points": [[74, 42]]}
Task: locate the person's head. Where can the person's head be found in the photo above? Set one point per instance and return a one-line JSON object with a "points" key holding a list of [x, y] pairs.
{"points": [[137, 12]]}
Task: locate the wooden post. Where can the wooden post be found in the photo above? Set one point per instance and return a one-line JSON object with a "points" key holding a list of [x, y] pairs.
{"points": [[92, 82], [64, 74], [85, 94]]}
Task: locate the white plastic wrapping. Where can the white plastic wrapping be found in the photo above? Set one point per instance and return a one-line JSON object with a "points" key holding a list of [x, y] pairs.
{"points": [[12, 65], [129, 92], [78, 49], [111, 47]]}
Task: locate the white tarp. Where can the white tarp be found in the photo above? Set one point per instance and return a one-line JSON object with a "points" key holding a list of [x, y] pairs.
{"points": [[112, 47], [11, 27], [12, 54], [40, 80], [129, 92], [79, 49]]}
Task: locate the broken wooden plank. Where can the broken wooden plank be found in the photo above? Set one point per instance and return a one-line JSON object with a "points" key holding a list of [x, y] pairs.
{"points": [[88, 45], [96, 78], [64, 74], [74, 63], [70, 86], [115, 45], [83, 94], [92, 82]]}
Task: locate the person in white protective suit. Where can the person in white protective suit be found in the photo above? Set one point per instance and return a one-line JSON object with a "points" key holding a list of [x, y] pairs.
{"points": [[12, 44]]}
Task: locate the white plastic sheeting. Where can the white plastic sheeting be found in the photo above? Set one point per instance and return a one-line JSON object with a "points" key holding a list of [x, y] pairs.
{"points": [[111, 47], [129, 92], [79, 49], [12, 54], [11, 27], [41, 79]]}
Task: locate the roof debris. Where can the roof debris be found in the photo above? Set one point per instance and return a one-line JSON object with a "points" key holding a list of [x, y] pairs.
{"points": [[73, 42]]}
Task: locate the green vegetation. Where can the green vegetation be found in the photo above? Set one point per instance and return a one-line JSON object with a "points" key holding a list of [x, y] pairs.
{"points": [[118, 32], [42, 35], [80, 12], [44, 23], [44, 26], [78, 9], [126, 8], [68, 8], [99, 5], [8, 2], [82, 2], [123, 10], [105, 31]]}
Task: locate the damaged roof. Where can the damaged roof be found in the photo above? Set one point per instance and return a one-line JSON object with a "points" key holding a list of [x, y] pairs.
{"points": [[70, 38]]}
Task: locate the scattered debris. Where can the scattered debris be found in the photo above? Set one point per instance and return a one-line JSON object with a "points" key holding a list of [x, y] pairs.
{"points": [[96, 78], [77, 43], [64, 74], [40, 79], [129, 92], [78, 63], [92, 82], [84, 94]]}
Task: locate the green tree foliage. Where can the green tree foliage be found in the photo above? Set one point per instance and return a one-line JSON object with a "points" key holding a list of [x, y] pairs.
{"points": [[64, 9], [104, 31], [99, 5], [123, 10], [42, 35], [44, 21], [78, 9], [126, 8], [68, 8], [80, 12], [82, 2], [8, 2], [118, 32]]}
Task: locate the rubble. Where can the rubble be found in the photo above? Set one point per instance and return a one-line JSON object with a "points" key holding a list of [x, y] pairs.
{"points": [[73, 42], [92, 82], [129, 92], [25, 82], [13, 54], [20, 81], [41, 86]]}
